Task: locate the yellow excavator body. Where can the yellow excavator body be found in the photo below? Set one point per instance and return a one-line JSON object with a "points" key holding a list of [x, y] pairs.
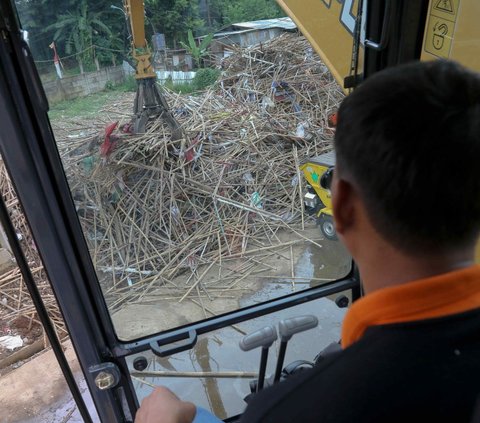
{"points": [[313, 170], [451, 32], [329, 26], [318, 199]]}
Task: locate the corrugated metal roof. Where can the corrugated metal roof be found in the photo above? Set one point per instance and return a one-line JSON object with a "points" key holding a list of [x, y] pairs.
{"points": [[227, 33], [285, 23], [243, 27]]}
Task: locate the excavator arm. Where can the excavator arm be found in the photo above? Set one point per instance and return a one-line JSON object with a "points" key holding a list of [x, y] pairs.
{"points": [[140, 51], [149, 100]]}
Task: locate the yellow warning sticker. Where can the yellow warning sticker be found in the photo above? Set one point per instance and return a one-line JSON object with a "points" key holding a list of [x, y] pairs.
{"points": [[446, 9], [439, 37], [441, 27]]}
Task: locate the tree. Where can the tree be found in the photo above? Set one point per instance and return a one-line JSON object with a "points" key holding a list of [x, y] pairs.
{"points": [[174, 18], [78, 30], [245, 10], [78, 24], [109, 49], [197, 51], [35, 16]]}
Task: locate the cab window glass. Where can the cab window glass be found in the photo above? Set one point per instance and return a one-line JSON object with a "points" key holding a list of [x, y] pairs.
{"points": [[218, 376], [194, 158]]}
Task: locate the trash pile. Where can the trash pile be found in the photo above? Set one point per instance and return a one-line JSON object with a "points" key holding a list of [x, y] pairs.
{"points": [[153, 208]]}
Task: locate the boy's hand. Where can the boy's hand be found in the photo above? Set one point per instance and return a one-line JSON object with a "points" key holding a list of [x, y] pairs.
{"points": [[163, 406]]}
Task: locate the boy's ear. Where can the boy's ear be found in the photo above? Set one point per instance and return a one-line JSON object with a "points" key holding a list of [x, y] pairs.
{"points": [[343, 203]]}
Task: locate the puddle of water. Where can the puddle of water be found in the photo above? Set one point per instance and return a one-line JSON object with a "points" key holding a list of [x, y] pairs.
{"points": [[65, 410], [314, 266]]}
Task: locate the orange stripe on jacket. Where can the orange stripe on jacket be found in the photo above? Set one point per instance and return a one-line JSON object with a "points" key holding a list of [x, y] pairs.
{"points": [[437, 296]]}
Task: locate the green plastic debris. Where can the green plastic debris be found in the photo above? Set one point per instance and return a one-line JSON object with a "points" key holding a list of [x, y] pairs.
{"points": [[256, 200], [88, 163]]}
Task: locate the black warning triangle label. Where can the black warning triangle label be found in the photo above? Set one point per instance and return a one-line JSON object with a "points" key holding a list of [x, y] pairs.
{"points": [[445, 6]]}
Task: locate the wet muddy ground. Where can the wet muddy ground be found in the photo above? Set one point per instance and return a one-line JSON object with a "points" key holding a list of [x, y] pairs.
{"points": [[295, 266]]}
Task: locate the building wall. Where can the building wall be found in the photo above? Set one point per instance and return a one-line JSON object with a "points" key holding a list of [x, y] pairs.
{"points": [[221, 46], [253, 38], [178, 77], [82, 85]]}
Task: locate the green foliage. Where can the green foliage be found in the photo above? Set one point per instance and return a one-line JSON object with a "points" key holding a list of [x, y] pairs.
{"points": [[184, 88], [129, 85], [83, 106], [77, 29], [229, 12], [75, 70], [43, 18], [80, 23], [205, 78], [109, 50], [35, 16], [109, 86], [197, 51], [175, 18]]}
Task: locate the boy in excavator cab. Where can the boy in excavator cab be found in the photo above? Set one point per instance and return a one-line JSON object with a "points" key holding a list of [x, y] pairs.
{"points": [[407, 147]]}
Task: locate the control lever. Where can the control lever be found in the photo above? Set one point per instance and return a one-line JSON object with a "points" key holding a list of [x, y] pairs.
{"points": [[264, 338], [287, 328]]}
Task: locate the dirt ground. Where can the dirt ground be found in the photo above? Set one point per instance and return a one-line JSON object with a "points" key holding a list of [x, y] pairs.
{"points": [[37, 392]]}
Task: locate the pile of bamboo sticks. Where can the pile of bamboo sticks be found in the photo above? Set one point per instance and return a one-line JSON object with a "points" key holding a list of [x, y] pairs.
{"points": [[160, 215], [15, 300], [157, 208]]}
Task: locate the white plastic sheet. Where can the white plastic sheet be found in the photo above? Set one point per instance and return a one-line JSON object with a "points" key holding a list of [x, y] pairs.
{"points": [[10, 342]]}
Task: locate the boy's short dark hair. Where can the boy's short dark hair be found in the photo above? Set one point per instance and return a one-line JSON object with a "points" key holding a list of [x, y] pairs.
{"points": [[409, 137]]}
